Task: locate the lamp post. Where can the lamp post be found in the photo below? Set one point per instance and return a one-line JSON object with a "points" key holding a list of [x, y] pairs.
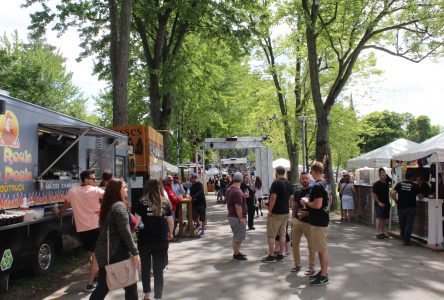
{"points": [[302, 119]]}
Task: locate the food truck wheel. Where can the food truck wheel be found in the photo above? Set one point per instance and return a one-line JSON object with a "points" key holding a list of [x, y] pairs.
{"points": [[44, 257], [4, 282]]}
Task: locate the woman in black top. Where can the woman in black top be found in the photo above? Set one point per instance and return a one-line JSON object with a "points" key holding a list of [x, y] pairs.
{"points": [[114, 216], [155, 230]]}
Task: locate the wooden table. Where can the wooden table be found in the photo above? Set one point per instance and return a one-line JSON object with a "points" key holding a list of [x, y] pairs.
{"points": [[189, 204]]}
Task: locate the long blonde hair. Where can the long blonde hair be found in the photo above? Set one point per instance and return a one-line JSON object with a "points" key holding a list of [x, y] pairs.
{"points": [[153, 196]]}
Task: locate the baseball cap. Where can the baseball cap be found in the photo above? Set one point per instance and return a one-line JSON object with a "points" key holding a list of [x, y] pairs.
{"points": [[194, 175], [237, 176]]}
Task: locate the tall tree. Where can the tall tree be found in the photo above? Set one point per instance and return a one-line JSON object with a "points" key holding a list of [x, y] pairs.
{"points": [[119, 52], [35, 72], [337, 33]]}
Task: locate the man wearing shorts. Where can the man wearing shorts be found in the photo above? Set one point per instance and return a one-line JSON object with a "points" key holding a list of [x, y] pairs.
{"points": [[380, 192], [199, 202], [237, 212], [301, 226], [85, 202], [278, 209], [318, 210]]}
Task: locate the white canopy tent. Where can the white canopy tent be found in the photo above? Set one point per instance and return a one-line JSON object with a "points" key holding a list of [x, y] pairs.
{"points": [[431, 150], [281, 162], [382, 156], [433, 147]]}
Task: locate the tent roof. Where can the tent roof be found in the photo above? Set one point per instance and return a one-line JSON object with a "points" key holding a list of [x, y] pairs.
{"points": [[281, 162], [380, 157], [434, 145], [170, 167]]}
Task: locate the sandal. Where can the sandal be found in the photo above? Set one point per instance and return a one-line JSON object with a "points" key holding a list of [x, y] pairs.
{"points": [[295, 269]]}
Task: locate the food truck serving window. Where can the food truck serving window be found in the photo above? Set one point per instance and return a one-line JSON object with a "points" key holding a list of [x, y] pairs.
{"points": [[52, 144]]}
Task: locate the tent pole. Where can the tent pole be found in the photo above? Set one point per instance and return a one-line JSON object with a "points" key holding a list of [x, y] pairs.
{"points": [[438, 212]]}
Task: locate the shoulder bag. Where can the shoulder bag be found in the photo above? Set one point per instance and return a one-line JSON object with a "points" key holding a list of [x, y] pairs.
{"points": [[120, 274]]}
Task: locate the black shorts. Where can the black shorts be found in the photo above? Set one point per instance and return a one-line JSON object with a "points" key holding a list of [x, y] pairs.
{"points": [[89, 239], [201, 211], [382, 212]]}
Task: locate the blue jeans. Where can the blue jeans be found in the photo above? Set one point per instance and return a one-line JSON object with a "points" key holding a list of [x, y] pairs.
{"points": [[406, 220]]}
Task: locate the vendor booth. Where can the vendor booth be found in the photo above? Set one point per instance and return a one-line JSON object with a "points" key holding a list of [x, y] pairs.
{"points": [[366, 174], [429, 213]]}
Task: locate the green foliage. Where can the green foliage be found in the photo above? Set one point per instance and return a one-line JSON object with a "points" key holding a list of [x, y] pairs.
{"points": [[381, 128], [216, 95], [36, 73], [420, 129], [344, 134]]}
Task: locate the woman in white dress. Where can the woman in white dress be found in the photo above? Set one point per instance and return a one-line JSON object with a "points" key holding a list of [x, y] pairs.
{"points": [[348, 192]]}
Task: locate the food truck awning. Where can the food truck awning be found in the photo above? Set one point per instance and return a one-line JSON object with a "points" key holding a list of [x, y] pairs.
{"points": [[83, 130], [380, 157], [434, 145]]}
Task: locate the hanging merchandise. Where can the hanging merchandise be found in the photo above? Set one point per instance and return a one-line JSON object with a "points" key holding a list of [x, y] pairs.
{"points": [[138, 150]]}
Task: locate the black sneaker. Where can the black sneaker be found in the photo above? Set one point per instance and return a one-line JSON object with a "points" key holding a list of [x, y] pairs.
{"points": [[321, 280], [268, 259], [280, 257], [239, 257], [90, 288], [380, 236], [318, 274], [385, 236], [240, 253]]}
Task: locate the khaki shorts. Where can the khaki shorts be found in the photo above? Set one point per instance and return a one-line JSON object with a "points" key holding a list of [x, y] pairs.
{"points": [[318, 237], [276, 225]]}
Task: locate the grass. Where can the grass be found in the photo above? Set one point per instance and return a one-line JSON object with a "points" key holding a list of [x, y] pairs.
{"points": [[25, 285]]}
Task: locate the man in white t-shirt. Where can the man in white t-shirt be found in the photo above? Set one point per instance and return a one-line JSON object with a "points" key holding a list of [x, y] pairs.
{"points": [[85, 202]]}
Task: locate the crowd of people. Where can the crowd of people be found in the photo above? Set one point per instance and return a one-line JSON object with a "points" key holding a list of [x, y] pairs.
{"points": [[104, 224], [104, 221], [310, 218]]}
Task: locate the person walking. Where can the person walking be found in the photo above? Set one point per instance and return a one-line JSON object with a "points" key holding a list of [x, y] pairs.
{"points": [[278, 209], [347, 190], [249, 194], [85, 202], [301, 226], [259, 195], [380, 192], [115, 241], [318, 211], [404, 194], [237, 212], [152, 238], [199, 202], [107, 175]]}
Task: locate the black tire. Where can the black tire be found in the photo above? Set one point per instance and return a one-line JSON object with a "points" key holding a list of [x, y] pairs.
{"points": [[44, 257], [4, 283]]}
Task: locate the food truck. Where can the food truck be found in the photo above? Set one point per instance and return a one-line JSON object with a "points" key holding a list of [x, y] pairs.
{"points": [[145, 155], [43, 153]]}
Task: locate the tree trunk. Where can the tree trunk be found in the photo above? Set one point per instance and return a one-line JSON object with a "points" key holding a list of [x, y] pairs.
{"points": [[119, 53], [323, 153]]}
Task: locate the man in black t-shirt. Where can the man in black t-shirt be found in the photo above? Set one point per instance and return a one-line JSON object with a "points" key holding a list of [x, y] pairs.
{"points": [[301, 226], [318, 210], [406, 191], [278, 209], [380, 192], [249, 195], [199, 202]]}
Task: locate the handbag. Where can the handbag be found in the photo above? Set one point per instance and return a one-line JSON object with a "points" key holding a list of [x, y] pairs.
{"points": [[120, 274]]}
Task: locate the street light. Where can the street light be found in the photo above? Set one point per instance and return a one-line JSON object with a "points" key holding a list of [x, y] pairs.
{"points": [[302, 119]]}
